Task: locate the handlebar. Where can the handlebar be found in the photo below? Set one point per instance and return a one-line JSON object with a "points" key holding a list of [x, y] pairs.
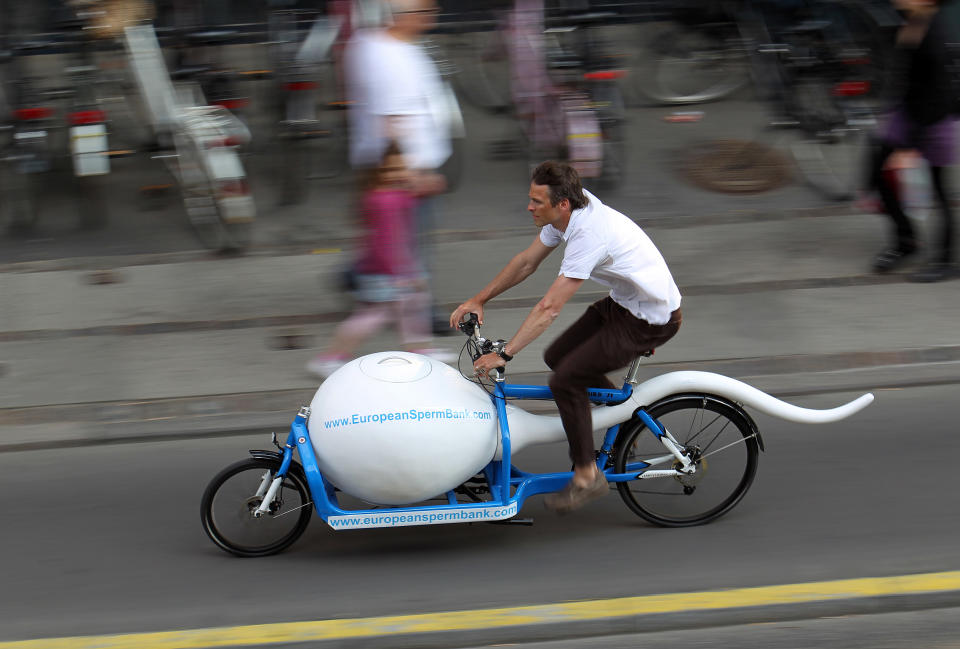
{"points": [[471, 328], [470, 325]]}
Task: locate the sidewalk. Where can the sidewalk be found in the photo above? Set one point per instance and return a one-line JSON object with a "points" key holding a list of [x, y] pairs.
{"points": [[133, 333], [213, 346]]}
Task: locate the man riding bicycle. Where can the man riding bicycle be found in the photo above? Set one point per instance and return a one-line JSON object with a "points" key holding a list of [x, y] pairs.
{"points": [[641, 313]]}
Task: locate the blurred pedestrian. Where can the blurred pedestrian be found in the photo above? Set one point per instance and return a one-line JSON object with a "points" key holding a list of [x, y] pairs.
{"points": [[922, 118], [396, 94], [391, 287]]}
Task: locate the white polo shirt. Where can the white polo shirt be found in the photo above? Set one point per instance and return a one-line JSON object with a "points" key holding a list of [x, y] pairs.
{"points": [[604, 245]]}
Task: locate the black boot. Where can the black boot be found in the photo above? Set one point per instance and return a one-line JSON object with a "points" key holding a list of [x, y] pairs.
{"points": [[888, 259]]}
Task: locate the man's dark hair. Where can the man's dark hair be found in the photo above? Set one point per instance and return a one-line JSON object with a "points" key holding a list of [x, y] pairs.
{"points": [[563, 182]]}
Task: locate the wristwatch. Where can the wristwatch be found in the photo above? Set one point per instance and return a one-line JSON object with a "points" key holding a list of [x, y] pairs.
{"points": [[504, 355]]}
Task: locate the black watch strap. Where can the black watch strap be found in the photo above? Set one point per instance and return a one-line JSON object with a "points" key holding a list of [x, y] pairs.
{"points": [[504, 355]]}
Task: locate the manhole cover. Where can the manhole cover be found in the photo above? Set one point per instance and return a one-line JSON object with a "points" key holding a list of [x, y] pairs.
{"points": [[737, 167]]}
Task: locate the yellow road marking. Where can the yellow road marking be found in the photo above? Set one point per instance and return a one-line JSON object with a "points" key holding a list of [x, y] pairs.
{"points": [[291, 632]]}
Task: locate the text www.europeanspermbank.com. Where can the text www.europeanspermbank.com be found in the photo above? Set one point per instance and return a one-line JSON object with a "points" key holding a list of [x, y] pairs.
{"points": [[414, 414], [388, 519]]}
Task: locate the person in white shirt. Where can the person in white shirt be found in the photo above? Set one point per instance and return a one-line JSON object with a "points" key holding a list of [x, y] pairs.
{"points": [[641, 312], [396, 94], [394, 89]]}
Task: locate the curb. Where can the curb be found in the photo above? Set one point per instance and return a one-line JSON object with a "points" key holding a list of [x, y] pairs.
{"points": [[559, 621], [229, 415]]}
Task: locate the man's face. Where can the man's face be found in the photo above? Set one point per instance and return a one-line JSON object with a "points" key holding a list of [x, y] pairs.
{"points": [[543, 212]]}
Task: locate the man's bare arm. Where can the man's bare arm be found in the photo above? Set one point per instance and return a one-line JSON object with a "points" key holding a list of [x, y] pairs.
{"points": [[517, 269], [544, 313], [538, 320]]}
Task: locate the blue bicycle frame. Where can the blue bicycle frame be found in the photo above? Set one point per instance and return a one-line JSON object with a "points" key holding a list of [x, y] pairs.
{"points": [[509, 486]]}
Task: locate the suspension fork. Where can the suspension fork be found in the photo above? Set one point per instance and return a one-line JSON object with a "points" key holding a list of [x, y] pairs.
{"points": [[274, 487]]}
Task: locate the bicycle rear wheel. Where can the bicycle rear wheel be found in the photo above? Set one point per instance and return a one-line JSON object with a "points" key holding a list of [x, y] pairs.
{"points": [[721, 439], [483, 70], [209, 214], [229, 502], [830, 145], [690, 64]]}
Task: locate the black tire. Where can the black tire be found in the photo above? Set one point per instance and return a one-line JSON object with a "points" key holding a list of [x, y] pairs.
{"points": [[230, 499], [830, 145], [727, 449]]}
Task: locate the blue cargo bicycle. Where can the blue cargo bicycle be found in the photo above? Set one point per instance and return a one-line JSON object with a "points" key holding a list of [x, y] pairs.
{"points": [[410, 441]]}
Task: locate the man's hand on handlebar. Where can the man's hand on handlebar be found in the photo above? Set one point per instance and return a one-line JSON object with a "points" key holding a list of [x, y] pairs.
{"points": [[468, 307], [487, 362]]}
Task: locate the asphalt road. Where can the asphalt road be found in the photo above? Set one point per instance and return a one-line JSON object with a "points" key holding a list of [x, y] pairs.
{"points": [[932, 629], [107, 539]]}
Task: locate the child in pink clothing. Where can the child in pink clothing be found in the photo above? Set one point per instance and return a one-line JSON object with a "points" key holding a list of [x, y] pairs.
{"points": [[390, 284]]}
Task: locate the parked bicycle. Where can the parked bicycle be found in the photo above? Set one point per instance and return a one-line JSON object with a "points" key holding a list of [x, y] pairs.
{"points": [[27, 154], [561, 83], [53, 119], [593, 69], [703, 51], [310, 136], [87, 122], [817, 66]]}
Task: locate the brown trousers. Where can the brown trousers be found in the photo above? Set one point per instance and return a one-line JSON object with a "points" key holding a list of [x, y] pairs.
{"points": [[605, 338]]}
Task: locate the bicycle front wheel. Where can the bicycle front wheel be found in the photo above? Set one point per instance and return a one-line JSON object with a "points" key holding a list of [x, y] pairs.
{"points": [[234, 494], [720, 438]]}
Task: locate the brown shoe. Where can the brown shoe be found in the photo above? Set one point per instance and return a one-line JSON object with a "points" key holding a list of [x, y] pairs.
{"points": [[574, 496]]}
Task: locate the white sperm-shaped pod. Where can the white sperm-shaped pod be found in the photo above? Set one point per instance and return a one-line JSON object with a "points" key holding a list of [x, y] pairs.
{"points": [[527, 429]]}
